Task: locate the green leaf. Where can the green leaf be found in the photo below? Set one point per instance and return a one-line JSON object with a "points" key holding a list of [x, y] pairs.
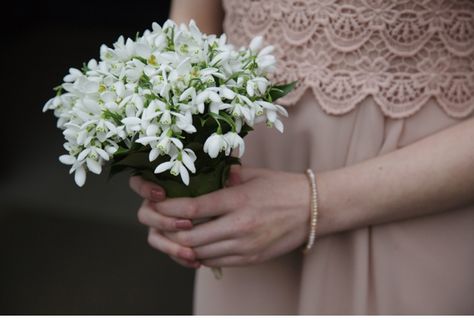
{"points": [[109, 115], [84, 68], [144, 82], [245, 130], [279, 91], [224, 117], [235, 75]]}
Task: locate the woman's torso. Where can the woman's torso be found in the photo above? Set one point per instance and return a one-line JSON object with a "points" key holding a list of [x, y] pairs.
{"points": [[373, 76]]}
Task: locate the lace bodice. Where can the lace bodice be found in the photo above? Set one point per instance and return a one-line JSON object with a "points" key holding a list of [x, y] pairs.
{"points": [[400, 52]]}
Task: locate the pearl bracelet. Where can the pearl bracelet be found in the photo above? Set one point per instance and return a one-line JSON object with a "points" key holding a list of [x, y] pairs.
{"points": [[314, 211]]}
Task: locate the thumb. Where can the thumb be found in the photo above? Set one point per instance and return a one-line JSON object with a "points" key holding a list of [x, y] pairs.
{"points": [[234, 178]]}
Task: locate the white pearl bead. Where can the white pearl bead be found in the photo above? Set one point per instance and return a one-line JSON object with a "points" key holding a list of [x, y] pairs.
{"points": [[314, 211]]}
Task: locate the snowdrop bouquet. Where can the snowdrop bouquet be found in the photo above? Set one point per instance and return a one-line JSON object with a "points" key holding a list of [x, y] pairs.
{"points": [[172, 106]]}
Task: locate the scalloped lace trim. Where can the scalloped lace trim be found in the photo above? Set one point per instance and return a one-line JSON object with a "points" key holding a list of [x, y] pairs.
{"points": [[400, 52]]}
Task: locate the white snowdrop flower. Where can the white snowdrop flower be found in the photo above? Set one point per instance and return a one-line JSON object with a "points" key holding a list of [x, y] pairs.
{"points": [[190, 102], [93, 153], [165, 117], [272, 120], [134, 70], [165, 166], [189, 93], [91, 158], [120, 90], [260, 85], [215, 144], [221, 58], [188, 158], [132, 124], [250, 87], [238, 110], [256, 43], [271, 106], [179, 164], [208, 73], [92, 65], [180, 169], [185, 122], [163, 142], [79, 173], [124, 50], [188, 46], [209, 94], [144, 50], [215, 107], [82, 85], [183, 163], [77, 167], [226, 93], [266, 63], [235, 141], [272, 110], [52, 104], [107, 55], [73, 75], [265, 60], [247, 102]]}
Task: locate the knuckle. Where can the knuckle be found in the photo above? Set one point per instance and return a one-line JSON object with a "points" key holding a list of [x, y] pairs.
{"points": [[247, 224], [179, 251], [171, 236], [141, 215], [143, 189], [251, 246], [241, 199], [191, 209], [184, 238], [253, 258], [168, 225], [245, 247]]}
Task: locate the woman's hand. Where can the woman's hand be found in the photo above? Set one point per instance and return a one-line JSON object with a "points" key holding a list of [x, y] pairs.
{"points": [[158, 223], [264, 216]]}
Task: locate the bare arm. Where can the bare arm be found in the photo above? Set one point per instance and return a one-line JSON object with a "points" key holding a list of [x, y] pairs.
{"points": [[266, 215], [430, 176], [208, 14]]}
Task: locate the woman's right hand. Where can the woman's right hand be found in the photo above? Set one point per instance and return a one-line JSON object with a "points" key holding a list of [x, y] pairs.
{"points": [[158, 223]]}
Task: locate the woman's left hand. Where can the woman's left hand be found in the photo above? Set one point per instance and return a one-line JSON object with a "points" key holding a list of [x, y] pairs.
{"points": [[265, 216]]}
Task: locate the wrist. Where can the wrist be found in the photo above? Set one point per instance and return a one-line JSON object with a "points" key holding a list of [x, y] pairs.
{"points": [[301, 210], [330, 204]]}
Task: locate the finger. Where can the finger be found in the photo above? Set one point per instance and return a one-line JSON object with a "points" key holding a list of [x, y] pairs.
{"points": [[149, 217], [228, 261], [186, 263], [247, 174], [234, 176], [161, 243], [204, 233], [146, 189], [217, 249], [209, 205]]}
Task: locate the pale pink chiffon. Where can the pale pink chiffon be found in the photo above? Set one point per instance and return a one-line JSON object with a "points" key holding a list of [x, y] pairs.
{"points": [[416, 266]]}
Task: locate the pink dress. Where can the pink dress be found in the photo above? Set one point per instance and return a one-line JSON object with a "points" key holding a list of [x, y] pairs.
{"points": [[374, 76]]}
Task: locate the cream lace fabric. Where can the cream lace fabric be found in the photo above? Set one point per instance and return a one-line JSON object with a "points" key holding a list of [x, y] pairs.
{"points": [[400, 52]]}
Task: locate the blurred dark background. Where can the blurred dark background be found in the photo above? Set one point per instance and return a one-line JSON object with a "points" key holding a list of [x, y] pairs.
{"points": [[64, 249]]}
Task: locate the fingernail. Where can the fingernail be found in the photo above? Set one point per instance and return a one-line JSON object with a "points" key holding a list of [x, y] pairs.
{"points": [[157, 195], [188, 254], [183, 224]]}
